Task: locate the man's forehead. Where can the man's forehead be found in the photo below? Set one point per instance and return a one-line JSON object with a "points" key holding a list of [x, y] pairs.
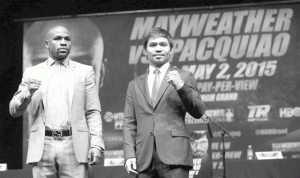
{"points": [[58, 31], [63, 35], [158, 39], [201, 139]]}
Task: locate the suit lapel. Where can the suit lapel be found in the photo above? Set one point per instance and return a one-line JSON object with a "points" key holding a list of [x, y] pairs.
{"points": [[43, 73], [143, 86], [163, 87], [71, 83]]}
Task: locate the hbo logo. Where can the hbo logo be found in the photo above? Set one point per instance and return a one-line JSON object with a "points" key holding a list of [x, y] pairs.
{"points": [[289, 112]]}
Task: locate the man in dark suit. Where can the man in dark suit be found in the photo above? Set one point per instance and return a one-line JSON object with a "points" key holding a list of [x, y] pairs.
{"points": [[156, 140]]}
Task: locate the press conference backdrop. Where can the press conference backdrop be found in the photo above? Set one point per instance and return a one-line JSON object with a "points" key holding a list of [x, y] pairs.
{"points": [[246, 60]]}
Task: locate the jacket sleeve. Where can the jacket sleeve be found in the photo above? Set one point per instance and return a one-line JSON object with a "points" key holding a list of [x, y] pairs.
{"points": [[93, 110], [191, 98], [21, 98], [130, 125]]}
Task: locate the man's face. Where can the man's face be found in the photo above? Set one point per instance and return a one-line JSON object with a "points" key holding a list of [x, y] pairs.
{"points": [[58, 43], [200, 147], [86, 49], [158, 51]]}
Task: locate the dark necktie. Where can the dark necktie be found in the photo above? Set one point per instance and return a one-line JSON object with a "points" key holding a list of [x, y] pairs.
{"points": [[155, 86]]}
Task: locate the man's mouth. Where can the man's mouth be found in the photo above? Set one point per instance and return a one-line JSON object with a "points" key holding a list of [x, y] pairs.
{"points": [[62, 50], [158, 56]]}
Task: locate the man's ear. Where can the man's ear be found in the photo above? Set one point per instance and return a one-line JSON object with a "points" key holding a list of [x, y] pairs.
{"points": [[47, 44], [145, 53], [171, 52]]}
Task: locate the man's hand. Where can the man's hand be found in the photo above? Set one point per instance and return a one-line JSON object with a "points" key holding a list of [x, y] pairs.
{"points": [[94, 156], [174, 78], [130, 166], [33, 85]]}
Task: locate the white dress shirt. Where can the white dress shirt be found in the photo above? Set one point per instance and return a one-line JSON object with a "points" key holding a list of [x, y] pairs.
{"points": [[151, 76], [57, 111]]}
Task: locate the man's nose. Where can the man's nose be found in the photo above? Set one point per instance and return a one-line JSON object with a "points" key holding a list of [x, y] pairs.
{"points": [[199, 146], [63, 42], [158, 49]]}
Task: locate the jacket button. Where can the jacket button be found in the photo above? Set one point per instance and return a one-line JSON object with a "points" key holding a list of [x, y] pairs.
{"points": [[154, 114], [151, 133]]}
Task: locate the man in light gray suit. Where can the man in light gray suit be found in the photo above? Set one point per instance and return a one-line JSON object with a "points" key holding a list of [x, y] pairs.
{"points": [[61, 97], [156, 139]]}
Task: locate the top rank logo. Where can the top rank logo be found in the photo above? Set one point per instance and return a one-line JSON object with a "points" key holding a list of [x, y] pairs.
{"points": [[258, 113]]}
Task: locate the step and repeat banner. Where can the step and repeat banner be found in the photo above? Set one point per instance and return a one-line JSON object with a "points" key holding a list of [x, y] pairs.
{"points": [[246, 60]]}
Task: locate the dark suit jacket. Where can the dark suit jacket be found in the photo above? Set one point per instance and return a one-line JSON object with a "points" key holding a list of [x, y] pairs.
{"points": [[164, 121], [206, 168]]}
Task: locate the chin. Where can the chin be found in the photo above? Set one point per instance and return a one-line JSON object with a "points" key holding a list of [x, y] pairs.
{"points": [[159, 63], [63, 56], [198, 155], [60, 58]]}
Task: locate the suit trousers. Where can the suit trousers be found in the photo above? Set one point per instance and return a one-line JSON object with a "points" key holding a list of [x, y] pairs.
{"points": [[59, 161], [158, 169]]}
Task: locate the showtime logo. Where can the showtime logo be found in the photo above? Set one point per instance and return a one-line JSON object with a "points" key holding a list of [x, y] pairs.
{"points": [[217, 115], [289, 112], [220, 115], [258, 113]]}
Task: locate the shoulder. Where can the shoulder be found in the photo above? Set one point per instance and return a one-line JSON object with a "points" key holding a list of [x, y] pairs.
{"points": [[80, 65], [35, 68], [137, 80], [184, 73], [40, 65]]}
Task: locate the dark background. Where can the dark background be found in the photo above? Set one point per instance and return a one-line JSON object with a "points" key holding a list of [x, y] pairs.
{"points": [[13, 12]]}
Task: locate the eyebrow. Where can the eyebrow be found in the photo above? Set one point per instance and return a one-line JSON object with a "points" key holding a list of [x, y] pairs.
{"points": [[163, 42], [59, 36]]}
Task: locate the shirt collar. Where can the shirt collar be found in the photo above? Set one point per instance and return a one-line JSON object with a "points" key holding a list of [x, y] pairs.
{"points": [[51, 62], [163, 69]]}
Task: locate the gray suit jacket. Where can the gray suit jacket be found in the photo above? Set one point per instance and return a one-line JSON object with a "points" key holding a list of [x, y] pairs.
{"points": [[164, 120], [85, 110]]}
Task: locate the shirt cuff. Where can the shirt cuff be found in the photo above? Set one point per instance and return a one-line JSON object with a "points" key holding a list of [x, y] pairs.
{"points": [[101, 149], [25, 94], [180, 86]]}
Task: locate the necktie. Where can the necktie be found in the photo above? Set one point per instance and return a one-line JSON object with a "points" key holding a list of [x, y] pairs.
{"points": [[155, 86]]}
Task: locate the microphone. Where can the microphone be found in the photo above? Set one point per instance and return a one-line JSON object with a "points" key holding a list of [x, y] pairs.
{"points": [[209, 130]]}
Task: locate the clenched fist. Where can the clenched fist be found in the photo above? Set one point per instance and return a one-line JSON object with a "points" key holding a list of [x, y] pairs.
{"points": [[33, 85], [174, 78]]}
